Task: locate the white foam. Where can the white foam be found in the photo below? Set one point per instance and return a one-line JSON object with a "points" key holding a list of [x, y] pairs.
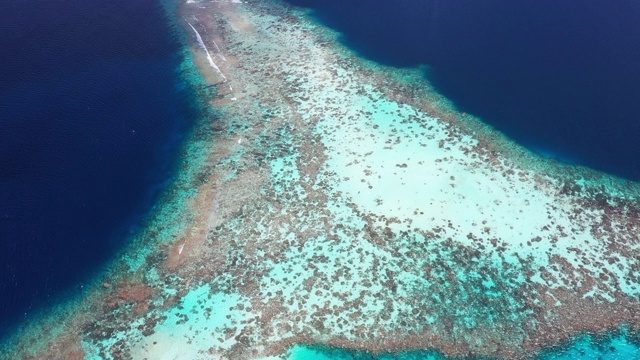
{"points": [[218, 51], [204, 47]]}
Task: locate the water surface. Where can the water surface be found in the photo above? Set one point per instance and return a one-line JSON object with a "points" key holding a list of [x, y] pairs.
{"points": [[92, 110]]}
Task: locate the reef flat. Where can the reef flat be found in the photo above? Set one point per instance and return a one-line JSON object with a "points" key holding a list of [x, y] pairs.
{"points": [[332, 201]]}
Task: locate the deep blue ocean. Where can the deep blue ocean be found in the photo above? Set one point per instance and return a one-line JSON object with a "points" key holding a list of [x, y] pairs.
{"points": [[92, 113], [561, 77]]}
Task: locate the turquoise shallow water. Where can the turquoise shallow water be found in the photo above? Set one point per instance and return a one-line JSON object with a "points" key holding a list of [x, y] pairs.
{"points": [[319, 353], [613, 347]]}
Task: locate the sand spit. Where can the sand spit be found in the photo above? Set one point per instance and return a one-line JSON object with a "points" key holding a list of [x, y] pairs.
{"points": [[343, 204]]}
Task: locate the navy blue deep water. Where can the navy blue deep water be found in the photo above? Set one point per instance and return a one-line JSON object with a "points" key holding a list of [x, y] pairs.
{"points": [[561, 77], [92, 111]]}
